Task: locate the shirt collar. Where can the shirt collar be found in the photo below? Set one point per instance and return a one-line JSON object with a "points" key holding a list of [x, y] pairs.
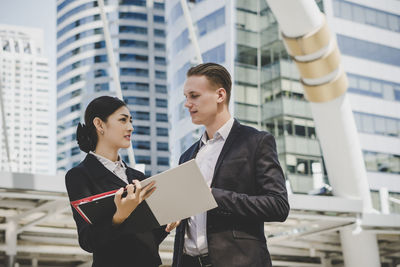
{"points": [[221, 132], [106, 162]]}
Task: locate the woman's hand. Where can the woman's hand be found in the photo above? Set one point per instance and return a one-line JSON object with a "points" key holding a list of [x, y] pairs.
{"points": [[135, 195], [172, 226]]}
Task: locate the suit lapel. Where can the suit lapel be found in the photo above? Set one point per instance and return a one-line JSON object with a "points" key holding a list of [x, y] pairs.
{"points": [[129, 174], [228, 144], [191, 153], [100, 172]]}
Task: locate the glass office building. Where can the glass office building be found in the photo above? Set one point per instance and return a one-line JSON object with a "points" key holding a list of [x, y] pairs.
{"points": [[137, 30], [267, 94]]}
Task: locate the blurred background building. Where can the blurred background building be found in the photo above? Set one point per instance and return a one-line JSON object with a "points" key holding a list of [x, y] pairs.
{"points": [[137, 31], [267, 93], [24, 82]]}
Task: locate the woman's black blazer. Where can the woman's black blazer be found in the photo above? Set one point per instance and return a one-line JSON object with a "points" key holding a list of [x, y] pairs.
{"points": [[116, 246]]}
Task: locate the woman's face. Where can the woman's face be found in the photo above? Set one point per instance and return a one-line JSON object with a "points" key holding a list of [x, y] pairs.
{"points": [[118, 128]]}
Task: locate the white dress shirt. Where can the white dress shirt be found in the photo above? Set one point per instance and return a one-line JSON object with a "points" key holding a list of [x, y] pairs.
{"points": [[196, 235], [117, 167]]}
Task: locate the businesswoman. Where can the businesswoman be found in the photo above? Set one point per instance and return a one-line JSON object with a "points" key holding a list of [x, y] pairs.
{"points": [[113, 241]]}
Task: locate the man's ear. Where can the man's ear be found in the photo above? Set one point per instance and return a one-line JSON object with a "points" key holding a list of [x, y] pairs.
{"points": [[221, 92]]}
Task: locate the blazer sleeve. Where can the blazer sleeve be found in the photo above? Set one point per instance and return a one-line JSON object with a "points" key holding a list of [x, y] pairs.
{"points": [[91, 236], [270, 202], [160, 234]]}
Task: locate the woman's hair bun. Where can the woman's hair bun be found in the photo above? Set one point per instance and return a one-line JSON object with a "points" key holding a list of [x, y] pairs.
{"points": [[83, 137]]}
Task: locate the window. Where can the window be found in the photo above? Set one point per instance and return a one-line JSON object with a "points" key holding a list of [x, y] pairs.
{"points": [[161, 75], [132, 29], [216, 54], [159, 46], [134, 100], [159, 33], [77, 23], [180, 42], [163, 161], [134, 72], [133, 2], [161, 146], [159, 19], [180, 75], [132, 15], [162, 131], [143, 159], [374, 124], [160, 60], [134, 86], [141, 145], [211, 22], [133, 43], [161, 89], [302, 166], [75, 151], [79, 36], [98, 87], [368, 50], [300, 130], [142, 130], [76, 10], [140, 115], [373, 87], [133, 58], [158, 5], [381, 162], [366, 15], [162, 117], [162, 103]]}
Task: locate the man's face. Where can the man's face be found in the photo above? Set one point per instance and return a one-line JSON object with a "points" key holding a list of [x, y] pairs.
{"points": [[201, 99]]}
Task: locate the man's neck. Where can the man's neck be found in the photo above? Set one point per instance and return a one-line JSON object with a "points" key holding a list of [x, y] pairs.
{"points": [[217, 123]]}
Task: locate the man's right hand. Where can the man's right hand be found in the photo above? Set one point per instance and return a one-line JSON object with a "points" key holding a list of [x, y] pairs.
{"points": [[135, 195]]}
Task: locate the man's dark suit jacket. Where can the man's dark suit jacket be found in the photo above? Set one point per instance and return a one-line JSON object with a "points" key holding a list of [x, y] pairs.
{"points": [[116, 246], [249, 188]]}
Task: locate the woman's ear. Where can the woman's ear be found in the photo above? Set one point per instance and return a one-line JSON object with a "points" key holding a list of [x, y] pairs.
{"points": [[221, 92], [98, 123]]}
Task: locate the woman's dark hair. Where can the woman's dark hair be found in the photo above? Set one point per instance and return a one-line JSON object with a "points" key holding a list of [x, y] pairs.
{"points": [[101, 107]]}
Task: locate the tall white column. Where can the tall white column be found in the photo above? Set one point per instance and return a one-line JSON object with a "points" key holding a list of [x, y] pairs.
{"points": [[358, 248], [315, 52], [11, 243]]}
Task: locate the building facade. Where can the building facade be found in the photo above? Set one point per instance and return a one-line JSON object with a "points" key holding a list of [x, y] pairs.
{"points": [[137, 32], [24, 81], [268, 95]]}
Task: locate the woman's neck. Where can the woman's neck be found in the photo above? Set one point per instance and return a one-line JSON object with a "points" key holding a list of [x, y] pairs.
{"points": [[108, 153]]}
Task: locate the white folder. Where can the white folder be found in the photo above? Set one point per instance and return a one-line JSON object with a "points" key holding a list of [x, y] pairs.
{"points": [[180, 193]]}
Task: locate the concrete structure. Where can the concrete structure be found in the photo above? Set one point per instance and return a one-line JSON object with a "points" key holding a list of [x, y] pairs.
{"points": [[26, 131], [137, 33], [37, 228]]}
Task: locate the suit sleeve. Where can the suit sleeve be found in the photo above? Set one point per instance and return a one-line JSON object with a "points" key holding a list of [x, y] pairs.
{"points": [[160, 234], [270, 202], [91, 236]]}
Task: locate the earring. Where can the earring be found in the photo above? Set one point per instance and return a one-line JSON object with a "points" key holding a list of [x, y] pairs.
{"points": [[102, 132]]}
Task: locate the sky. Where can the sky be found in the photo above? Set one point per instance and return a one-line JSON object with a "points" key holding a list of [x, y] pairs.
{"points": [[38, 14], [33, 13]]}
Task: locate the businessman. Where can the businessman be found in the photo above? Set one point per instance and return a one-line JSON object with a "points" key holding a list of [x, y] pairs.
{"points": [[241, 166]]}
